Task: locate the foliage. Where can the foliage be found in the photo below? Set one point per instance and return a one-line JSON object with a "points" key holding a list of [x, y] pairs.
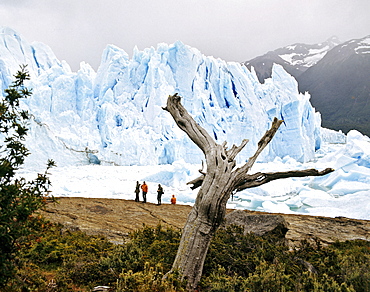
{"points": [[75, 259], [235, 262], [19, 199], [151, 279], [238, 262], [159, 245], [239, 253], [143, 260], [252, 263], [349, 262], [74, 255]]}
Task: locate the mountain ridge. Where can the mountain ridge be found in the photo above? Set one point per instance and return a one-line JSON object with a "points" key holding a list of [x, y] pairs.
{"points": [[295, 58], [338, 81], [339, 86]]}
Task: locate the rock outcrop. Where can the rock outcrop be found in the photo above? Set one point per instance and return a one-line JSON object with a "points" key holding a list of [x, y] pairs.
{"points": [[116, 218], [300, 227], [258, 224]]}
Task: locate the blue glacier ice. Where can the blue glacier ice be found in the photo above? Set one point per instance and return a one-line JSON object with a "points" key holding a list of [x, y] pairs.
{"points": [[115, 115], [107, 129]]}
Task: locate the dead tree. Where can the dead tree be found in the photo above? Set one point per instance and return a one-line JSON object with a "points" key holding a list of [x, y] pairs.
{"points": [[220, 180]]}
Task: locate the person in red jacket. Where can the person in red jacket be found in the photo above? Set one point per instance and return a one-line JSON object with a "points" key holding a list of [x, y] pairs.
{"points": [[144, 188], [173, 199]]}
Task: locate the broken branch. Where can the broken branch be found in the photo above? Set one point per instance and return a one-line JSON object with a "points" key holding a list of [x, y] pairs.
{"points": [[257, 179]]}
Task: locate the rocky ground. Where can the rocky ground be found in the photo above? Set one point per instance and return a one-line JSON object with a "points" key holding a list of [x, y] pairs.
{"points": [[116, 218]]}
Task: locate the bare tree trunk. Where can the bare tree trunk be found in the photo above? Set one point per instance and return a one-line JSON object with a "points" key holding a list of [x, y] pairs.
{"points": [[203, 221], [216, 186]]}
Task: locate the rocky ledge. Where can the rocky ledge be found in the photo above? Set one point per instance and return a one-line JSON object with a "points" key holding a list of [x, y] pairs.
{"points": [[115, 218]]}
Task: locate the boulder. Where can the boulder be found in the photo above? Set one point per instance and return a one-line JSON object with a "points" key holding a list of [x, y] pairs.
{"points": [[258, 224]]}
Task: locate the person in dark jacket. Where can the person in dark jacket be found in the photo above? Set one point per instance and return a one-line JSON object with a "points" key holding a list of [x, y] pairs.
{"points": [[160, 192], [137, 192]]}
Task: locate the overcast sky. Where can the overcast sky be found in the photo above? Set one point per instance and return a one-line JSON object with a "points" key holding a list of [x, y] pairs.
{"points": [[233, 30]]}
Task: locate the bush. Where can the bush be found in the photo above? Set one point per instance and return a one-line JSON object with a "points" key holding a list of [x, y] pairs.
{"points": [[74, 259], [235, 262], [19, 199], [151, 279], [142, 262], [240, 262], [240, 254]]}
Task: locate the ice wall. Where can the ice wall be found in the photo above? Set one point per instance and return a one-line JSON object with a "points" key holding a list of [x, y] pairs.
{"points": [[115, 116]]}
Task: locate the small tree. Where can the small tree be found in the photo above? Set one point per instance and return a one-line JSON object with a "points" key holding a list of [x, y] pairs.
{"points": [[18, 199], [219, 181]]}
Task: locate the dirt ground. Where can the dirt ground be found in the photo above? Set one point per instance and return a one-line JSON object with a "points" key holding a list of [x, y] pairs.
{"points": [[115, 218]]}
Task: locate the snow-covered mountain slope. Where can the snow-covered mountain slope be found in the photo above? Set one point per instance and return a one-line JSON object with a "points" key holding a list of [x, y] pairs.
{"points": [[295, 59], [339, 86], [115, 116], [304, 55]]}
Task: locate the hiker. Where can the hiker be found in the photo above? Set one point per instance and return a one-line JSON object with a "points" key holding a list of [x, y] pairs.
{"points": [[144, 188], [137, 192], [173, 199], [160, 193]]}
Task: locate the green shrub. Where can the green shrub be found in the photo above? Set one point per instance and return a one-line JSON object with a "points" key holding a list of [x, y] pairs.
{"points": [[19, 199], [220, 281], [240, 254], [148, 245], [251, 263], [235, 262], [354, 263], [76, 259], [151, 279]]}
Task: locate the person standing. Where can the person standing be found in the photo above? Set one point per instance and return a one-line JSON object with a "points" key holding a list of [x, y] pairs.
{"points": [[160, 192], [173, 200], [144, 188], [137, 192]]}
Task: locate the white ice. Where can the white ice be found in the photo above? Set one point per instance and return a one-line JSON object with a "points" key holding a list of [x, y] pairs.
{"points": [[344, 192]]}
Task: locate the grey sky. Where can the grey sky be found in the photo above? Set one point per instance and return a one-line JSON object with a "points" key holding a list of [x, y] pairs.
{"points": [[233, 30]]}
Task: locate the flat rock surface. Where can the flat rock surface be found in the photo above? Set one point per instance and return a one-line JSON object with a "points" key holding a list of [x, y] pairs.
{"points": [[115, 218]]}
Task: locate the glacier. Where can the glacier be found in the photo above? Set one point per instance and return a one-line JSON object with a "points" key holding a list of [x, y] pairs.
{"points": [[107, 129], [114, 116]]}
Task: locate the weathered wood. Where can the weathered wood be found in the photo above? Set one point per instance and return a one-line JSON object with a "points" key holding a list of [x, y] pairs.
{"points": [[186, 123], [216, 185], [260, 178]]}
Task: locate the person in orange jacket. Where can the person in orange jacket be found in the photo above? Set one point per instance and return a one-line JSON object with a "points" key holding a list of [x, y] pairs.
{"points": [[144, 188], [173, 199]]}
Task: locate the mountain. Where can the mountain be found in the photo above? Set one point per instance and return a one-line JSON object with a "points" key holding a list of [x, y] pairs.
{"points": [[336, 76], [295, 59], [340, 86], [114, 116]]}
